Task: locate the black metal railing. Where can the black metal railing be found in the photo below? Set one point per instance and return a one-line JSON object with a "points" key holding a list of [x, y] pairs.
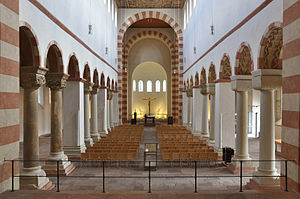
{"points": [[149, 176]]}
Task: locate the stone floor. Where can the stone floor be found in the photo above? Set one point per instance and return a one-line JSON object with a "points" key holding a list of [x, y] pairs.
{"points": [[136, 178]]}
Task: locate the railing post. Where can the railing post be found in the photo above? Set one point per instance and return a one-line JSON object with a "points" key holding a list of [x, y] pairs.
{"points": [[241, 176], [286, 176], [57, 175], [12, 176], [103, 176], [196, 176], [149, 177]]}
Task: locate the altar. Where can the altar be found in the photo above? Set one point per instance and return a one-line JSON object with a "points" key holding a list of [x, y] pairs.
{"points": [[152, 117]]}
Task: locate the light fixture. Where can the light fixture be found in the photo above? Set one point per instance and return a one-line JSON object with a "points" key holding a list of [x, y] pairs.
{"points": [[195, 49], [106, 50], [90, 24], [90, 29], [212, 29]]}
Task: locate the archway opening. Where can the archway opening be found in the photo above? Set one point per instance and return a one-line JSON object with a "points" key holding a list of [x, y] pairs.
{"points": [[150, 90]]}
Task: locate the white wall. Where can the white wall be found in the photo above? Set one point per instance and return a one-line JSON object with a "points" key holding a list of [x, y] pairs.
{"points": [[225, 17], [75, 15]]}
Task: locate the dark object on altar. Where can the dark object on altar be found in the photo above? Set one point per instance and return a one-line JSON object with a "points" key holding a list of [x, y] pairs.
{"points": [[170, 119]]}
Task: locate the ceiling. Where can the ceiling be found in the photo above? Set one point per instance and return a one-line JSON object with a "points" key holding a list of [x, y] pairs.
{"points": [[150, 3], [150, 23]]}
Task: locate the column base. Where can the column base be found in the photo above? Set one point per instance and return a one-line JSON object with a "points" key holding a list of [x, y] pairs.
{"points": [[197, 133], [210, 143], [252, 184], [204, 136], [112, 125], [65, 166], [95, 136], [73, 152], [266, 181], [39, 181], [235, 166], [103, 134], [88, 142]]}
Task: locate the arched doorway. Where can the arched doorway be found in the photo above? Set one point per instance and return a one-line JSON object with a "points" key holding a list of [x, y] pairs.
{"points": [[149, 85]]}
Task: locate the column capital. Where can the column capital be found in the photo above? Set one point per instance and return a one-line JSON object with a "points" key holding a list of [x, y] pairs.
{"points": [[109, 94], [266, 79], [241, 82], [95, 90], [88, 87], [211, 87], [32, 77], [56, 80], [189, 92], [204, 90]]}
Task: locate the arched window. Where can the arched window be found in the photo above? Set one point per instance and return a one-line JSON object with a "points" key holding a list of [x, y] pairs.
{"points": [[149, 86], [157, 86], [164, 86], [133, 86], [141, 86]]}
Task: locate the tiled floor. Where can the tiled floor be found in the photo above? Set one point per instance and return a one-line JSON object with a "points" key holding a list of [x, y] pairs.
{"points": [[137, 179]]}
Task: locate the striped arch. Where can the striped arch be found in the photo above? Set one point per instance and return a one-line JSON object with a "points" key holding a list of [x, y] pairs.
{"points": [[177, 65], [270, 52], [73, 68], [54, 57], [244, 61]]}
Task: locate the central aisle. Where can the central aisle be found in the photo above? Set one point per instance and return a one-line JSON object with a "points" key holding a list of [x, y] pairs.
{"points": [[149, 136]]}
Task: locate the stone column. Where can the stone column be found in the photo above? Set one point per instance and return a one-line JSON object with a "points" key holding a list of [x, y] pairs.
{"points": [[102, 111], [196, 107], [108, 110], [94, 119], [267, 80], [31, 79], [111, 112], [204, 124], [211, 91], [189, 94], [87, 136], [116, 108]]}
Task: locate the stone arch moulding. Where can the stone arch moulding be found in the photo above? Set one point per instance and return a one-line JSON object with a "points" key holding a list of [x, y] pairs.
{"points": [[270, 51], [96, 78], [197, 80], [203, 77], [177, 77], [34, 41], [243, 60], [212, 73], [60, 55], [225, 68], [87, 72], [102, 80], [76, 76]]}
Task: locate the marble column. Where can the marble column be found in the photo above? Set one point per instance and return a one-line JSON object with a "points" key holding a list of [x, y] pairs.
{"points": [[56, 82], [211, 92], [204, 124], [196, 107], [31, 79], [267, 80], [94, 119], [189, 94], [87, 135], [102, 111]]}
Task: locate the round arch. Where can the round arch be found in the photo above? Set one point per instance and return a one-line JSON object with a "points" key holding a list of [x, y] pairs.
{"points": [[53, 60]]}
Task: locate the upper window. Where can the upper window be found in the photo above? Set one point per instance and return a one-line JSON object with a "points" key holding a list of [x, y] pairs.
{"points": [[157, 86], [133, 85], [141, 86], [149, 86], [164, 86]]}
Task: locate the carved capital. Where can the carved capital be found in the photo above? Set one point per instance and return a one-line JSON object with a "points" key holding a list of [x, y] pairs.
{"points": [[56, 80], [109, 94], [211, 88], [203, 89], [32, 77], [88, 86], [189, 92], [94, 90]]}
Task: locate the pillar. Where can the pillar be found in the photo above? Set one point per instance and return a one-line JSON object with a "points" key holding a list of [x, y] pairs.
{"points": [[73, 121], [31, 79], [189, 94], [224, 115], [204, 124], [108, 110], [196, 107], [184, 108], [211, 92], [102, 111], [116, 108], [94, 119], [267, 80], [87, 136], [111, 110]]}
